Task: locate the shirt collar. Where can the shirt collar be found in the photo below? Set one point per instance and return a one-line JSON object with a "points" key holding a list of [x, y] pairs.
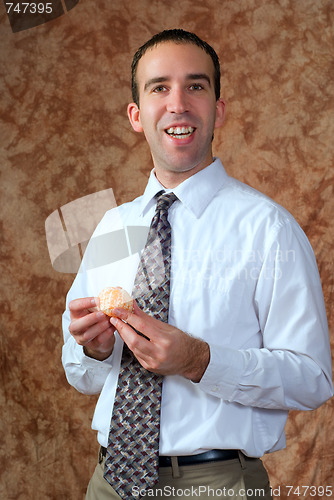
{"points": [[195, 193]]}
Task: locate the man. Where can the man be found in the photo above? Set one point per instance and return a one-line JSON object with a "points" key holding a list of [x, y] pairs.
{"points": [[246, 338]]}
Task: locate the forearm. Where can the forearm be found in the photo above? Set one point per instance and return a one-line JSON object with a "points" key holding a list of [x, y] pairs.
{"points": [[98, 355], [85, 374], [198, 358], [278, 380]]}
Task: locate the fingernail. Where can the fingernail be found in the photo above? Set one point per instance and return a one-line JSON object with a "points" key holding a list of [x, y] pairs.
{"points": [[113, 321], [117, 312]]}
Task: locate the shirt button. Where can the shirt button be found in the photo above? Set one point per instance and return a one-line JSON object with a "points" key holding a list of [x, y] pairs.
{"points": [[215, 388]]}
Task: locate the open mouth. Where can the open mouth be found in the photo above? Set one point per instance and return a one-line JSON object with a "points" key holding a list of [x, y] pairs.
{"points": [[180, 132]]}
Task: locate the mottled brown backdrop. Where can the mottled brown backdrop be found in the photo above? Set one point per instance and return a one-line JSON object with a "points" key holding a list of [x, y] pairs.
{"points": [[65, 134]]}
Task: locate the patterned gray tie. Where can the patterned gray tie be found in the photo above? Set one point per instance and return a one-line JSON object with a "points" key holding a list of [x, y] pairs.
{"points": [[133, 448]]}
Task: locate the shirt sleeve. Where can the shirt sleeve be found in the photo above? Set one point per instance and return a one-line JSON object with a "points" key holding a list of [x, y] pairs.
{"points": [[86, 374], [292, 367], [107, 261]]}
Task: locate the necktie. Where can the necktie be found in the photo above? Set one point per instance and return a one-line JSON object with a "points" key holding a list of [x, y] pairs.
{"points": [[133, 448]]}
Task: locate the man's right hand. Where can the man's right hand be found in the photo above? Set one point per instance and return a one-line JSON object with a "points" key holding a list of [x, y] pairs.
{"points": [[91, 328]]}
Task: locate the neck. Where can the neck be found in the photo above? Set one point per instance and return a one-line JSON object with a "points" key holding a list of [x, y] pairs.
{"points": [[169, 179]]}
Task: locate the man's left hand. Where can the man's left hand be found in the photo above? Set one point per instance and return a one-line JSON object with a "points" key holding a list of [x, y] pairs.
{"points": [[166, 350]]}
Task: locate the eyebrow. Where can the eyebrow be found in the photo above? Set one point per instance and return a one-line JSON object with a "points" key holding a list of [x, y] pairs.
{"points": [[191, 76]]}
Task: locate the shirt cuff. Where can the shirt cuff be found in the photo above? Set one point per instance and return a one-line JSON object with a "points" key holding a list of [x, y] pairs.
{"points": [[223, 372], [73, 354], [94, 364]]}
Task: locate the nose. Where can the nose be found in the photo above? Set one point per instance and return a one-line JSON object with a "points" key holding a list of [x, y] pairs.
{"points": [[177, 101]]}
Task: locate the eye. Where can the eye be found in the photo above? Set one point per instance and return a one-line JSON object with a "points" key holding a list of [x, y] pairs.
{"points": [[160, 88], [196, 86]]}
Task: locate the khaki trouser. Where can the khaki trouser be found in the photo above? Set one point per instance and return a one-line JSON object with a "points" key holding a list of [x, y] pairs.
{"points": [[237, 479]]}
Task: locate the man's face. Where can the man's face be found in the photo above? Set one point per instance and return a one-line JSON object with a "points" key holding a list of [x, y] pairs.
{"points": [[178, 111]]}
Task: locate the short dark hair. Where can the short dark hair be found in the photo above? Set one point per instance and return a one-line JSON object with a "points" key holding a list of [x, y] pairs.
{"points": [[176, 36]]}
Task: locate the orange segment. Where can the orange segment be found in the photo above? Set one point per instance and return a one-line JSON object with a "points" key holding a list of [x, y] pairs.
{"points": [[112, 297]]}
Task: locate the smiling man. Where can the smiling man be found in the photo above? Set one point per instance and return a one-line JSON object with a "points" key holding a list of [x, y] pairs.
{"points": [[177, 109], [228, 331]]}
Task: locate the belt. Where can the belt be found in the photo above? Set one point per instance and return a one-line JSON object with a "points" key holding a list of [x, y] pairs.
{"points": [[201, 458]]}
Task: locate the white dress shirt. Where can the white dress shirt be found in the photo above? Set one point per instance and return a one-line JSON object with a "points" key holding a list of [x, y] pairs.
{"points": [[244, 278]]}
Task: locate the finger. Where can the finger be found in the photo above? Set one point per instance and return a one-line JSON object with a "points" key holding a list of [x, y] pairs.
{"points": [[97, 335], [137, 309], [135, 342], [82, 306], [104, 339], [95, 304], [83, 323], [139, 320]]}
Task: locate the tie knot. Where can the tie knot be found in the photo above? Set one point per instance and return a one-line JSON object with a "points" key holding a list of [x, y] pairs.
{"points": [[165, 201]]}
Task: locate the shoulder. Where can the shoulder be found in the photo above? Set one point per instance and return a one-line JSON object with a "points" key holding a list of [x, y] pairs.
{"points": [[253, 205], [120, 216], [256, 217]]}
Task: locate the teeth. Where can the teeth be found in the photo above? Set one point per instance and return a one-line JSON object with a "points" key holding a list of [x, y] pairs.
{"points": [[180, 132]]}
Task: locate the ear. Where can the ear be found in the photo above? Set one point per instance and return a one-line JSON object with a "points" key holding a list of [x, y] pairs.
{"points": [[134, 117], [220, 113]]}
